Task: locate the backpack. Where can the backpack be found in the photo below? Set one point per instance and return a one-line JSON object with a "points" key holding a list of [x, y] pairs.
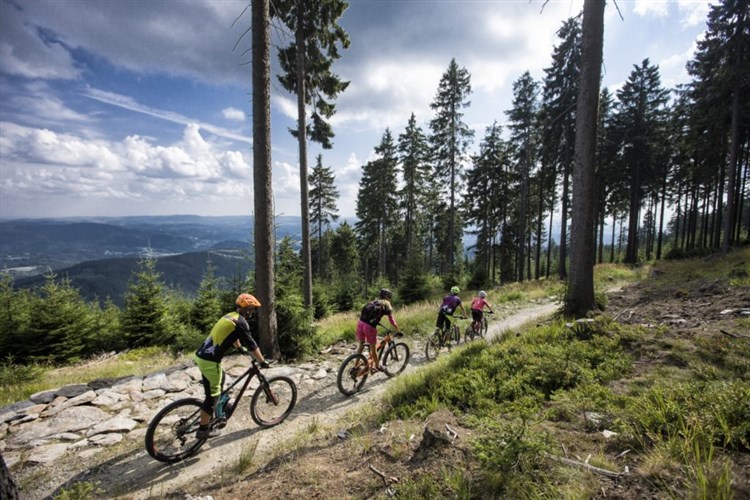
{"points": [[371, 313]]}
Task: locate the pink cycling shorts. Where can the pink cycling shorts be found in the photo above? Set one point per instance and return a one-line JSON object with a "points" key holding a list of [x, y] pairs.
{"points": [[366, 333]]}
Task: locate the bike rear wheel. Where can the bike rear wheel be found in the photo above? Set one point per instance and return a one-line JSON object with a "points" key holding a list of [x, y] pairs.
{"points": [[170, 436], [352, 374], [395, 359], [456, 334], [273, 401]]}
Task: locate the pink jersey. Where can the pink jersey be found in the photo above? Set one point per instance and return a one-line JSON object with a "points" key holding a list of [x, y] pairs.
{"points": [[478, 303]]}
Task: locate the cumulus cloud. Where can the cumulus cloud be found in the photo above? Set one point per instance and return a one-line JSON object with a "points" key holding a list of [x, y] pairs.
{"points": [[39, 163]]}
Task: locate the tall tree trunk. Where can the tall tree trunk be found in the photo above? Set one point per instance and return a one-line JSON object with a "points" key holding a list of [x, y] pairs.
{"points": [[579, 298], [562, 270], [661, 216], [631, 251], [302, 141], [612, 247], [264, 240]]}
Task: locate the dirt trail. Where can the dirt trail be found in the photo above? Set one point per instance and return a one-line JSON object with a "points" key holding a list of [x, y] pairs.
{"points": [[136, 475]]}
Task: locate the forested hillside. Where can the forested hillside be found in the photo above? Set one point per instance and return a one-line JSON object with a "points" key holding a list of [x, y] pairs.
{"points": [[107, 279]]}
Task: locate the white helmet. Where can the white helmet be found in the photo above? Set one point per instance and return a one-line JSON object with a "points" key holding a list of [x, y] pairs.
{"points": [[482, 294]]}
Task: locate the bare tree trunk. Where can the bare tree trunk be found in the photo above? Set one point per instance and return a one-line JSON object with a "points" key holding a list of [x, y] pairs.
{"points": [[579, 298], [302, 141], [264, 239]]}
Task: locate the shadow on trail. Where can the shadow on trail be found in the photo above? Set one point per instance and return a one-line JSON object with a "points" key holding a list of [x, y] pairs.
{"points": [[136, 471]]}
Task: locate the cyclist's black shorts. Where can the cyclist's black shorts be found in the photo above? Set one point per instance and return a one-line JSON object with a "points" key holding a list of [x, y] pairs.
{"points": [[442, 320], [476, 314]]}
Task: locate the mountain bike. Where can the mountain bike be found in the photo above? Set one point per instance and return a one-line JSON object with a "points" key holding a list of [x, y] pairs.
{"points": [[171, 433], [477, 329], [393, 356], [440, 339]]}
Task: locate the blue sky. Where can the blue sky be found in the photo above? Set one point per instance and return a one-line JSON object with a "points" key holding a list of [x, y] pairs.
{"points": [[142, 107]]}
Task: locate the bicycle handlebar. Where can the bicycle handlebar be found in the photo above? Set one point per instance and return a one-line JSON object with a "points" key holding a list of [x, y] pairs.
{"points": [[395, 333]]}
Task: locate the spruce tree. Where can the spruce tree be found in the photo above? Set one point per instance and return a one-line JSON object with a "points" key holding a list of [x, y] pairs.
{"points": [[61, 323], [414, 196], [206, 308], [560, 95], [323, 209], [306, 64], [376, 207], [522, 122], [143, 316], [641, 120], [450, 141]]}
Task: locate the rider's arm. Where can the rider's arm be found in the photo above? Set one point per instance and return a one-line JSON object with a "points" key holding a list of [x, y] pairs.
{"points": [[392, 321]]}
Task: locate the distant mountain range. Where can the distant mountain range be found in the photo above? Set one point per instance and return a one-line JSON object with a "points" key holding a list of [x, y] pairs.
{"points": [[100, 254]]}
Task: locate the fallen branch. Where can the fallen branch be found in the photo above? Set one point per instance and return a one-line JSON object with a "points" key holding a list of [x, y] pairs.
{"points": [[591, 468], [621, 313], [386, 481], [734, 335]]}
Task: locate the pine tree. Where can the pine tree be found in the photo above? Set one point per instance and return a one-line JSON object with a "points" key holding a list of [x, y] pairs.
{"points": [[522, 124], [206, 308], [145, 308], [15, 315], [641, 120], [376, 206], [345, 267], [414, 196], [450, 141], [323, 210], [559, 105], [721, 92], [307, 73], [490, 187], [61, 323]]}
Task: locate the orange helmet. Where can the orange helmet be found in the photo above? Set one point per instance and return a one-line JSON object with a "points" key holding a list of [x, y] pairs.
{"points": [[247, 300]]}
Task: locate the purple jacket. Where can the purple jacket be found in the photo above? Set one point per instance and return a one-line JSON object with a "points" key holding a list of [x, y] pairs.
{"points": [[450, 304]]}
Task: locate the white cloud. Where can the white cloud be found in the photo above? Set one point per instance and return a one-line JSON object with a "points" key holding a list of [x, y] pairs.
{"points": [[45, 165], [233, 114], [131, 104], [650, 8]]}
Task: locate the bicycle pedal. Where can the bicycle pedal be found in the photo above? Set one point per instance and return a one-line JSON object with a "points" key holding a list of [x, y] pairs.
{"points": [[219, 423]]}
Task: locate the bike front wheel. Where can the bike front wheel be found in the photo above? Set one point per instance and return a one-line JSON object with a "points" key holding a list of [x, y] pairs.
{"points": [[483, 330], [469, 333], [456, 334], [352, 374], [395, 359], [432, 346], [273, 401], [170, 436]]}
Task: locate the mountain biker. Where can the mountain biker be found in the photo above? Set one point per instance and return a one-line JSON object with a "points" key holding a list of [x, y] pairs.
{"points": [[448, 307], [477, 309], [231, 330], [369, 319]]}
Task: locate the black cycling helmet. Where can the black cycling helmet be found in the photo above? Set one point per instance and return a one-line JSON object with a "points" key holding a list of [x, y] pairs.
{"points": [[385, 293]]}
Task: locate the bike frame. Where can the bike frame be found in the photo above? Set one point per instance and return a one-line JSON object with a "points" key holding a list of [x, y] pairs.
{"points": [[380, 345], [247, 375]]}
